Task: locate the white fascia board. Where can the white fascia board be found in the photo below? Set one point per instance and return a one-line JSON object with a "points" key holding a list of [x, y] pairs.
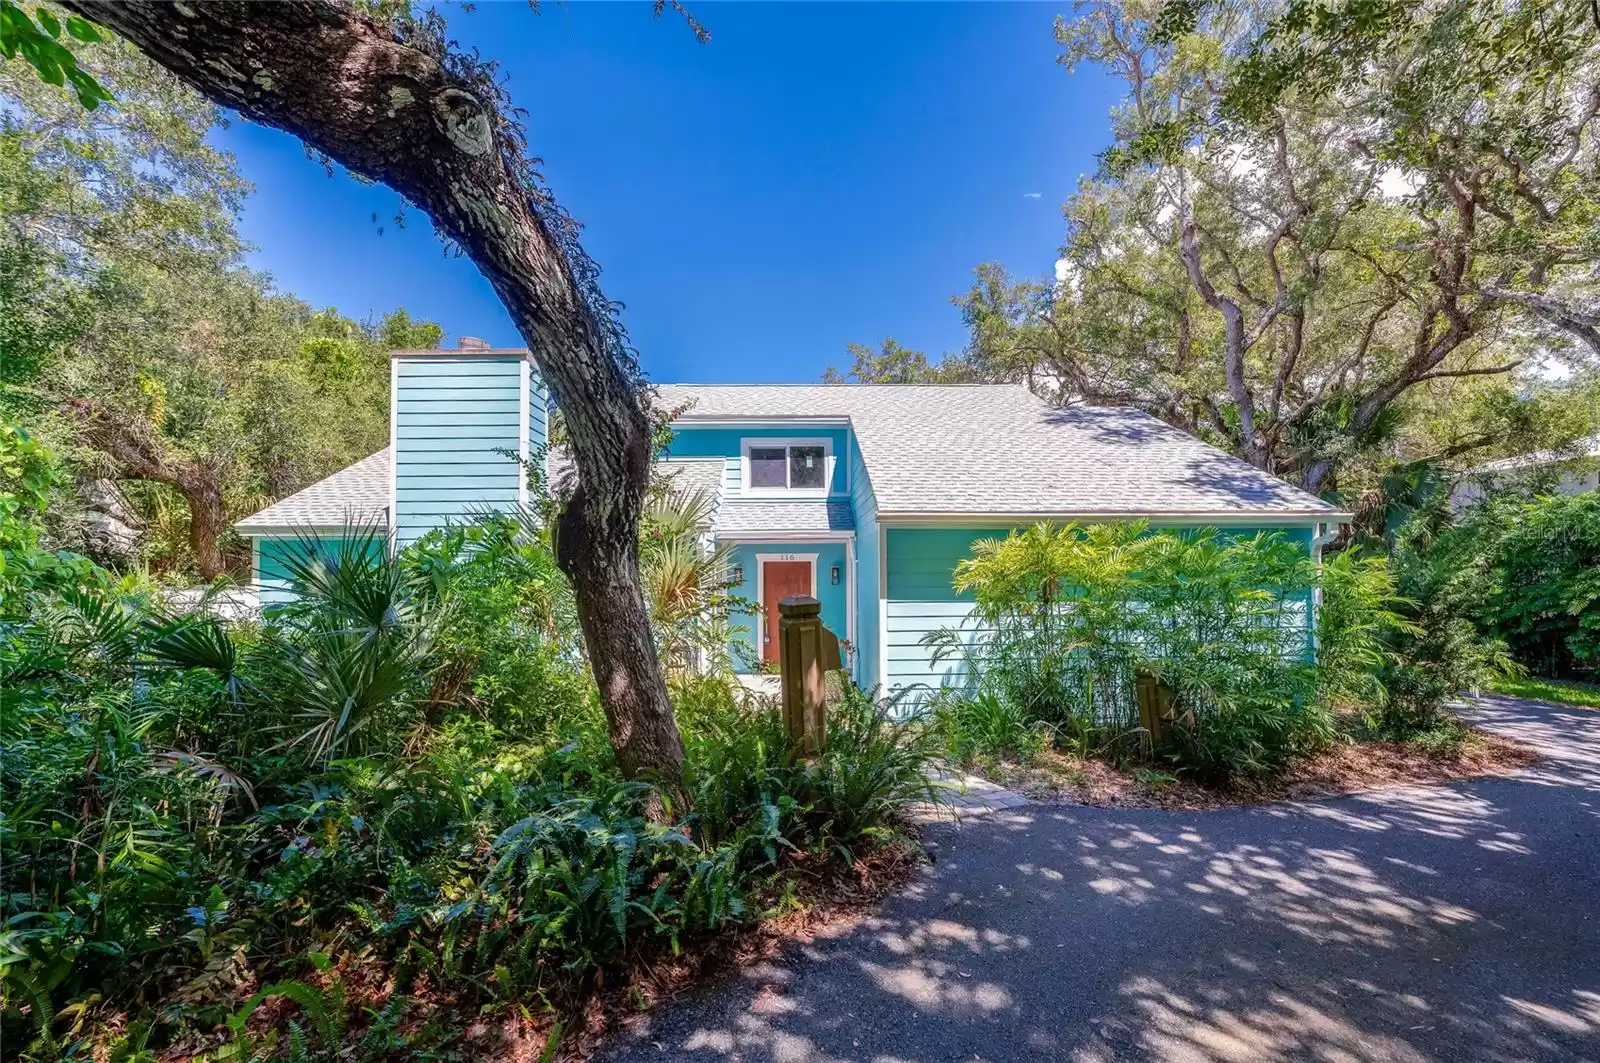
{"points": [[298, 531], [454, 354], [787, 537], [392, 511], [911, 519], [524, 418], [757, 422]]}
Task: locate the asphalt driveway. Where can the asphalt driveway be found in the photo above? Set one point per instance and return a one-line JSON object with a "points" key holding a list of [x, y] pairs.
{"points": [[1453, 922]]}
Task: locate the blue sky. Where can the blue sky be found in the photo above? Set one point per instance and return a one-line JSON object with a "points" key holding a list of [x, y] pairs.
{"points": [[817, 175]]}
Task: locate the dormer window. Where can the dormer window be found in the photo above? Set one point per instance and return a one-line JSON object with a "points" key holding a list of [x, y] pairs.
{"points": [[788, 466]]}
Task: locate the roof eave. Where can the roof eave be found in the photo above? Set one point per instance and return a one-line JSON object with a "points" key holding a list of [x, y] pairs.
{"points": [[300, 528], [754, 420], [1212, 517]]}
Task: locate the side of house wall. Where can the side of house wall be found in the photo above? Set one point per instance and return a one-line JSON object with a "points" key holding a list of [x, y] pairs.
{"points": [[869, 594], [271, 574]]}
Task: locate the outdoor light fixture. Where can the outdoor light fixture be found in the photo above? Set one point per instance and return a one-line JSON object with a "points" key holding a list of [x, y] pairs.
{"points": [[833, 575], [738, 573]]}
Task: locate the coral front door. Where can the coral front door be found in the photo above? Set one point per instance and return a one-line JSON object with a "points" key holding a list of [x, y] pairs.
{"points": [[780, 580]]}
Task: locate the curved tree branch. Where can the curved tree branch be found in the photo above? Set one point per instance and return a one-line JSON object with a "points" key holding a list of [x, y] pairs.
{"points": [[405, 112]]}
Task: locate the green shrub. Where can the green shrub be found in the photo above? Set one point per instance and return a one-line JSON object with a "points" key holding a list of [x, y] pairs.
{"points": [[986, 727], [876, 763], [1440, 652], [1073, 615], [1526, 572]]}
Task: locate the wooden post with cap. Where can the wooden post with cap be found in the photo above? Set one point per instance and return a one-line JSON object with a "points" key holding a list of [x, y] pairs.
{"points": [[807, 651]]}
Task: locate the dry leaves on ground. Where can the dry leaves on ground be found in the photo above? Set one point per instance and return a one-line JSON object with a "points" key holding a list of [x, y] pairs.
{"points": [[1345, 767]]}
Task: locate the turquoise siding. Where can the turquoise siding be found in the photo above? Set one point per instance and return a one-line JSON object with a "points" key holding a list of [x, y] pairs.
{"points": [[538, 413], [834, 598], [921, 566], [272, 578], [454, 419], [868, 567], [727, 443]]}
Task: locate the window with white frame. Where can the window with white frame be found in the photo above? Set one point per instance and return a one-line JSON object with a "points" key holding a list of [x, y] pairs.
{"points": [[788, 466]]}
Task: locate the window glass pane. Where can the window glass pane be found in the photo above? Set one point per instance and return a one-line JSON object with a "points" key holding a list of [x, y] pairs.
{"points": [[806, 467], [767, 467]]}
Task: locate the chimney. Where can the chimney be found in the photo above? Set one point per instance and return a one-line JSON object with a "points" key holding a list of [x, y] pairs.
{"points": [[456, 415]]}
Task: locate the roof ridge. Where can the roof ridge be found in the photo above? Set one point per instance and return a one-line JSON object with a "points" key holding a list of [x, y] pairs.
{"points": [[792, 384]]}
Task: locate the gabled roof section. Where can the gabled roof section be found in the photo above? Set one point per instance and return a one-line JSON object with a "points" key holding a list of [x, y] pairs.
{"points": [[800, 515], [998, 450], [356, 495]]}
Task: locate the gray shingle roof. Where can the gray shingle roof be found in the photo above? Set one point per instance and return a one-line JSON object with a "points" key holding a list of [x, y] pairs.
{"points": [[693, 474], [997, 449], [981, 449], [809, 515], [357, 494]]}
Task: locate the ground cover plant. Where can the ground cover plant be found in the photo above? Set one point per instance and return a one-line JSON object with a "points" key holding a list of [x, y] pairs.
{"points": [[1068, 618], [381, 808]]}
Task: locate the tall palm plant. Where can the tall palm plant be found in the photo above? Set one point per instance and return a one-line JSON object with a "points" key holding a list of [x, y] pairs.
{"points": [[687, 579], [347, 663]]}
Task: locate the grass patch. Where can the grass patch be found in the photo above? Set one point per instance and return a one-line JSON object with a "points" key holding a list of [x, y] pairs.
{"points": [[1561, 691]]}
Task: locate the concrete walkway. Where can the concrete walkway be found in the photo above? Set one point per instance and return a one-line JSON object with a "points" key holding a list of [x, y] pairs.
{"points": [[962, 796], [1451, 923]]}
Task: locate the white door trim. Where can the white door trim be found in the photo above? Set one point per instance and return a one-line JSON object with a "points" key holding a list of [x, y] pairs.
{"points": [[761, 590], [850, 606]]}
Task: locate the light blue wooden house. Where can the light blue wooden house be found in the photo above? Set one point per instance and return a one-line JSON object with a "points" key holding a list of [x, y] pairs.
{"points": [[865, 496]]}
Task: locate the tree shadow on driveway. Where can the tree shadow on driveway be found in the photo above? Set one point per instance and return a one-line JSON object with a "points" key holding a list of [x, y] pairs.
{"points": [[1444, 922]]}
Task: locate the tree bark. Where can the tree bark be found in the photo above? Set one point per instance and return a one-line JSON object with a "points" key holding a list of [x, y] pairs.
{"points": [[393, 112], [1235, 346], [207, 517], [140, 458]]}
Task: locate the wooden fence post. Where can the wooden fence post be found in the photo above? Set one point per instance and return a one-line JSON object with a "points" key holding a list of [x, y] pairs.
{"points": [[1155, 700], [807, 651]]}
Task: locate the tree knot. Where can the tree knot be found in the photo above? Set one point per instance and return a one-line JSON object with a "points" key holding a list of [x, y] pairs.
{"points": [[465, 121]]}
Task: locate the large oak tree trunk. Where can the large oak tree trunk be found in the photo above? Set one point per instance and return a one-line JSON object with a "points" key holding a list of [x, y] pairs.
{"points": [[391, 111]]}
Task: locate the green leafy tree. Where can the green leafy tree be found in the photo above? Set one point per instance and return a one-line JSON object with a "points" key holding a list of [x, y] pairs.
{"points": [[386, 94], [40, 38], [140, 346], [1525, 571], [895, 363], [1290, 279]]}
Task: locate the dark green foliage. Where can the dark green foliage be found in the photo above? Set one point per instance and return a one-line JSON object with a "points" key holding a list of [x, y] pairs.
{"points": [[875, 763], [987, 726], [46, 43], [127, 305], [405, 767], [1525, 571]]}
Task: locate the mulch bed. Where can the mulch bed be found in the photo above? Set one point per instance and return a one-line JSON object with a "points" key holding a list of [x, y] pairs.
{"points": [[1345, 768]]}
